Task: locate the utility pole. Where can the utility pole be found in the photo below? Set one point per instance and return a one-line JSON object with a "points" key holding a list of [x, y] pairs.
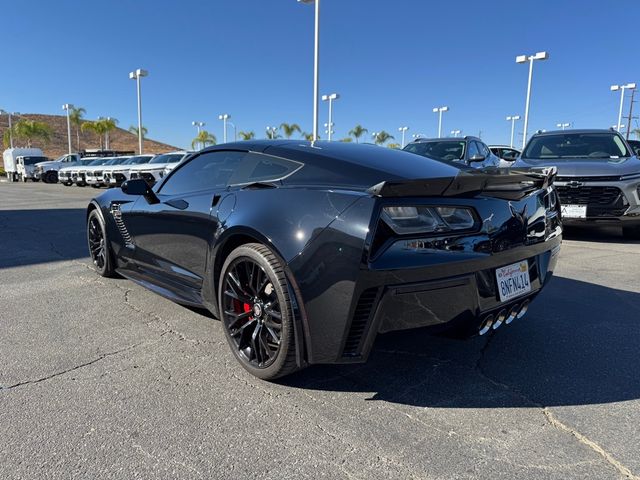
{"points": [[633, 92]]}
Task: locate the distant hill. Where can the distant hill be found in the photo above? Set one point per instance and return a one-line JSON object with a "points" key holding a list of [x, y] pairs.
{"points": [[119, 139]]}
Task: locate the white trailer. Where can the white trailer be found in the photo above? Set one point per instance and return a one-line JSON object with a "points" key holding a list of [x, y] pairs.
{"points": [[10, 157]]}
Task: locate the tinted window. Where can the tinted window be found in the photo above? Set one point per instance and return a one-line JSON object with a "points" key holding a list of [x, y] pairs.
{"points": [[576, 145], [473, 149], [206, 171], [167, 158], [137, 160], [258, 167], [440, 150], [484, 150]]}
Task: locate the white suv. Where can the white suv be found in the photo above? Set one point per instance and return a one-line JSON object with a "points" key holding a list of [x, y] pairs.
{"points": [[154, 171]]}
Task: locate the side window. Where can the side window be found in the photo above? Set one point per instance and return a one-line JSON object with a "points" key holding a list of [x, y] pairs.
{"points": [[206, 171], [484, 150], [473, 149], [258, 167]]}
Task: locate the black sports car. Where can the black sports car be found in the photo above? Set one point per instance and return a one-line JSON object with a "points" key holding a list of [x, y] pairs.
{"points": [[306, 251]]}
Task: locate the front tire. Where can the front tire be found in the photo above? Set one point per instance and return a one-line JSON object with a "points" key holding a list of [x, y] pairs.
{"points": [[50, 177], [257, 313], [98, 242]]}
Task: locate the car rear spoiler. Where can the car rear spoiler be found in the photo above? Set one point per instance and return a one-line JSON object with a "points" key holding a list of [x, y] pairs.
{"points": [[507, 183]]}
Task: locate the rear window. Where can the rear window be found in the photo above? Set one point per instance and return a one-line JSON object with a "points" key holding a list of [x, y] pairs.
{"points": [[258, 167], [576, 145], [447, 151]]}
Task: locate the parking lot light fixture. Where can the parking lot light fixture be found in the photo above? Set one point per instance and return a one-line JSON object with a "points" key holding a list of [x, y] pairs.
{"points": [[563, 126], [316, 64], [418, 135], [330, 98], [67, 107], [272, 132], [439, 111], [198, 125], [512, 119], [137, 76], [224, 117], [403, 130], [530, 59], [455, 133], [622, 88]]}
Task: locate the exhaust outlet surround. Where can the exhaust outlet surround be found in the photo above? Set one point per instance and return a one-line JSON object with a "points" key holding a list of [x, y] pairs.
{"points": [[500, 318], [513, 314], [523, 309], [486, 325]]}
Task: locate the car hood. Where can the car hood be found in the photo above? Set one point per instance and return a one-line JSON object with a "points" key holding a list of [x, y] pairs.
{"points": [[149, 166], [45, 164], [585, 166]]}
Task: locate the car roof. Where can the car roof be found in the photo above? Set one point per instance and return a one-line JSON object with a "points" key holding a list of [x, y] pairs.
{"points": [[575, 130], [446, 139], [343, 163]]}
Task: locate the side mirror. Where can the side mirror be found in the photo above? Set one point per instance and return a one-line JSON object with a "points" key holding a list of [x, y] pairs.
{"points": [[140, 187], [477, 158]]}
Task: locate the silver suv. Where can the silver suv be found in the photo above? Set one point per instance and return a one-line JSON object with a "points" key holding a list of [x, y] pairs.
{"points": [[598, 176], [468, 151]]}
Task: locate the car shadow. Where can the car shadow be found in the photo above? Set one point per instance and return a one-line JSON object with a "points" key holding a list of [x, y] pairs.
{"points": [[29, 237], [578, 345], [600, 234]]}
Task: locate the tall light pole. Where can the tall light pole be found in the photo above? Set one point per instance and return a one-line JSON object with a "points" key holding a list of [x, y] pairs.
{"points": [[418, 135], [563, 126], [455, 133], [67, 107], [137, 75], [622, 88], [512, 119], [530, 59], [316, 64], [224, 117], [330, 98], [10, 126], [272, 132], [403, 130], [198, 125], [374, 135], [439, 111], [328, 130], [617, 128], [235, 132]]}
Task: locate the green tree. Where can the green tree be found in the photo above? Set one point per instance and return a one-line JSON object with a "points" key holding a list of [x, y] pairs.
{"points": [[289, 129], [204, 139], [98, 127], [357, 132], [108, 125], [307, 136], [394, 145], [247, 135], [382, 137], [272, 135], [134, 130], [28, 131], [76, 116], [347, 140]]}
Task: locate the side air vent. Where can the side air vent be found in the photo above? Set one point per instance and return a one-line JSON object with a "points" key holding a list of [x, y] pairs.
{"points": [[117, 217], [359, 322]]}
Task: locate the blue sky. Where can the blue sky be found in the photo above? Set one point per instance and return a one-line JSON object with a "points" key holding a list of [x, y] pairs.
{"points": [[392, 62]]}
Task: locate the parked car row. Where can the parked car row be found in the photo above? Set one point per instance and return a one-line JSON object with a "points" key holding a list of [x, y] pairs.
{"points": [[598, 179], [114, 171]]}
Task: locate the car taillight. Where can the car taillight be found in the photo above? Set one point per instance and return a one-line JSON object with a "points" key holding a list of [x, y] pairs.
{"points": [[420, 219]]}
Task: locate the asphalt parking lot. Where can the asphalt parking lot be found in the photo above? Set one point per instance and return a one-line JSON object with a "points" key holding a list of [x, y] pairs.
{"points": [[103, 379]]}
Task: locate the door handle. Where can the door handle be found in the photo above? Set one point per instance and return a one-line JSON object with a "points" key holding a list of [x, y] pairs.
{"points": [[177, 203]]}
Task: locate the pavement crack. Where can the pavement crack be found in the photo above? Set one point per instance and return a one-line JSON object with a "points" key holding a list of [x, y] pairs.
{"points": [[553, 420], [71, 369]]}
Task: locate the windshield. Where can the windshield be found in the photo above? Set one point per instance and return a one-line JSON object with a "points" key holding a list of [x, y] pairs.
{"points": [[576, 145], [33, 160], [167, 158], [138, 159], [86, 162], [99, 161], [440, 150], [117, 161]]}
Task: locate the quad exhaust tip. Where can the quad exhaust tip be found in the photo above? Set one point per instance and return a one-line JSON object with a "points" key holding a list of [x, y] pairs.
{"points": [[493, 322]]}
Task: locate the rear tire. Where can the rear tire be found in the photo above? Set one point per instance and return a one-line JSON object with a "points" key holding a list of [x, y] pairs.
{"points": [[256, 312], [99, 246]]}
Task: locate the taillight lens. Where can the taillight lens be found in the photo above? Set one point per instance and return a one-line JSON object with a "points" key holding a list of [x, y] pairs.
{"points": [[419, 219]]}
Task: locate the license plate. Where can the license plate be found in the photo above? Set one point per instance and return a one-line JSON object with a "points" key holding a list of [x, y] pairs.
{"points": [[574, 211], [513, 280]]}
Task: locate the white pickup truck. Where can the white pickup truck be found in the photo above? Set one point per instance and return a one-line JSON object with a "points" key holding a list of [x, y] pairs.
{"points": [[48, 171], [26, 166]]}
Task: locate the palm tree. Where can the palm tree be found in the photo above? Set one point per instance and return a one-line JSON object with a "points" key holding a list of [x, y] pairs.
{"points": [[76, 115], [358, 131], [204, 138], [381, 137], [108, 124], [98, 127], [247, 135], [272, 134], [394, 145], [29, 130], [347, 140], [308, 136], [134, 130], [289, 129]]}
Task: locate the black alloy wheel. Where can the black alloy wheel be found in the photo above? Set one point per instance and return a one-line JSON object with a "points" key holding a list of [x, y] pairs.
{"points": [[99, 245], [256, 312]]}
